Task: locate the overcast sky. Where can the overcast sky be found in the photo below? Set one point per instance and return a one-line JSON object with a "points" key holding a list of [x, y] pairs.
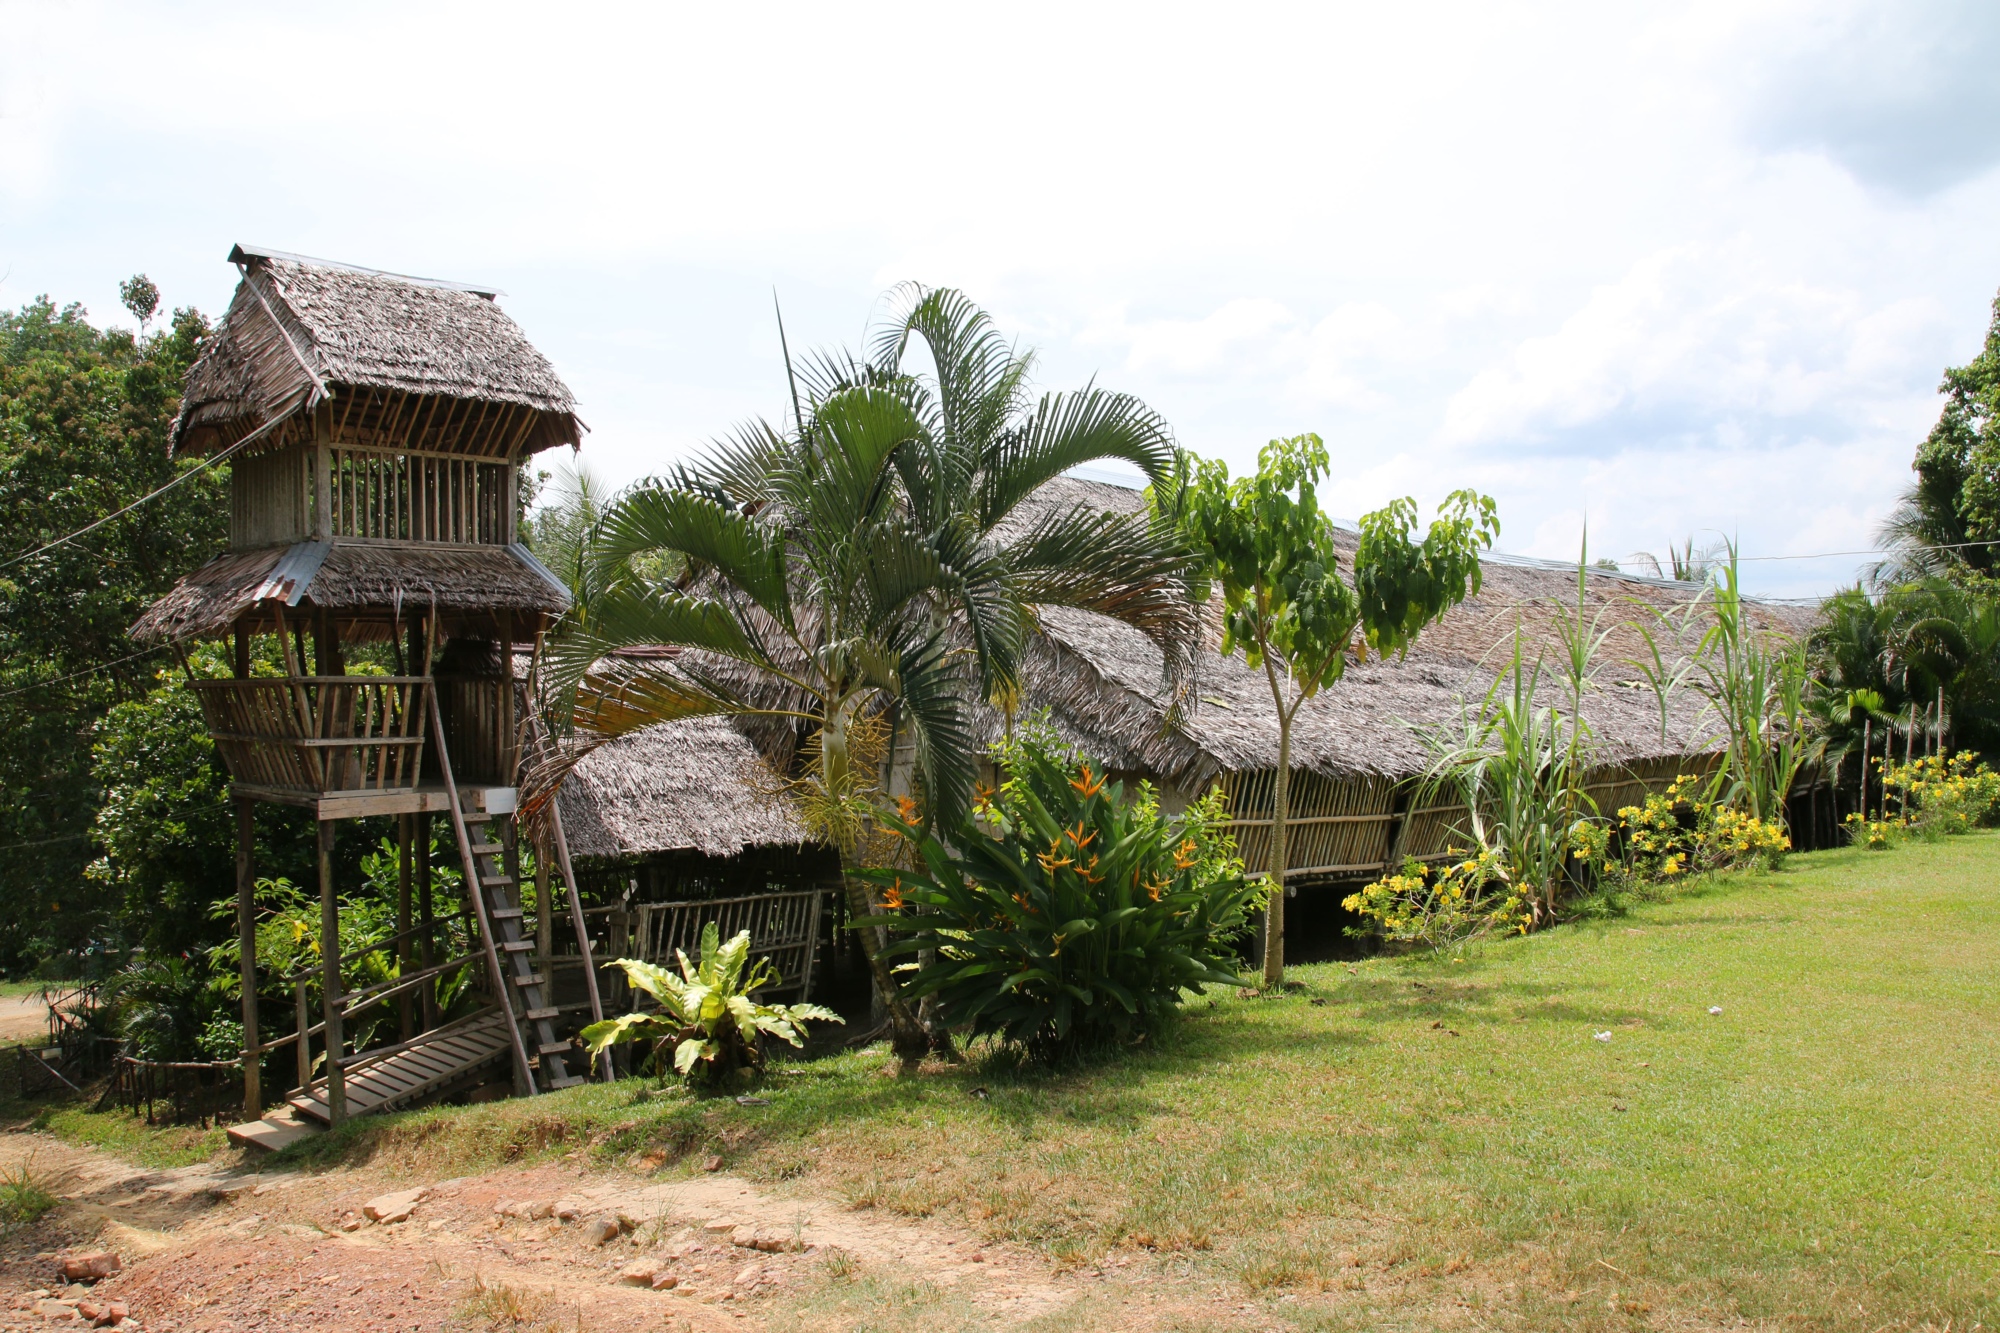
{"points": [[1685, 270]]}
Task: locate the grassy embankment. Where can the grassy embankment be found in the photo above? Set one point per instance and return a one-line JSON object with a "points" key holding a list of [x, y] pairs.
{"points": [[1404, 1133]]}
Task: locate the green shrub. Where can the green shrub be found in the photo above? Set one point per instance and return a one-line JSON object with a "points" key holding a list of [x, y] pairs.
{"points": [[707, 1020], [1684, 830], [1438, 907], [1066, 915], [1944, 796], [23, 1198]]}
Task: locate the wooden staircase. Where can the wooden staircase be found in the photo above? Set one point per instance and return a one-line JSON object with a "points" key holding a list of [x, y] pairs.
{"points": [[433, 1064], [517, 1029], [491, 851]]}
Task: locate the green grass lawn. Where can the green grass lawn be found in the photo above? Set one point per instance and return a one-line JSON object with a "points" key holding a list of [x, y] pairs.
{"points": [[1401, 1135]]}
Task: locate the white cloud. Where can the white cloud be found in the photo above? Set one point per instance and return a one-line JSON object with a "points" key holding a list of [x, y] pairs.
{"points": [[1595, 259]]}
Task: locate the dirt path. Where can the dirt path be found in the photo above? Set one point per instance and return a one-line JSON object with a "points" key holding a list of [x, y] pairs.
{"points": [[553, 1247], [23, 1018]]}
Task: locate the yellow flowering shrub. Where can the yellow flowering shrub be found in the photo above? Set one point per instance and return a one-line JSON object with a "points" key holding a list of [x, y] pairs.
{"points": [[1680, 831], [1942, 795], [1877, 835], [1440, 906]]}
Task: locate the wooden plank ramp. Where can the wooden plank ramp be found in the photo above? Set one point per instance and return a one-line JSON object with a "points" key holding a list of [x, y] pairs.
{"points": [[430, 1065]]}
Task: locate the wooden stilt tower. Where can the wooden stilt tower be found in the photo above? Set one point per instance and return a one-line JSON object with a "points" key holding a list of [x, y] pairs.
{"points": [[376, 426]]}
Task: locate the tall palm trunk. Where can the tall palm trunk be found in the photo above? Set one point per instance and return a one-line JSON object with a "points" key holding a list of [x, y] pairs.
{"points": [[906, 1035]]}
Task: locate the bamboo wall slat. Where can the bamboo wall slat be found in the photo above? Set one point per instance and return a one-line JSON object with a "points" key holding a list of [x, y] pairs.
{"points": [[268, 500], [418, 498], [1331, 826], [1356, 826], [319, 733]]}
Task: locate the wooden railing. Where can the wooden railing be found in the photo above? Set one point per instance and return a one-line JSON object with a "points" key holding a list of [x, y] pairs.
{"points": [[319, 733], [784, 927]]}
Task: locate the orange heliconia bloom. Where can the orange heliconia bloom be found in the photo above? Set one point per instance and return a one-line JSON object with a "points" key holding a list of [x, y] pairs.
{"points": [[1184, 855], [893, 899], [1089, 784], [907, 808], [1077, 836]]}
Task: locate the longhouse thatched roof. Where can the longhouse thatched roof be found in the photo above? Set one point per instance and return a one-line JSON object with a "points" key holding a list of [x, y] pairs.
{"points": [[351, 577], [1103, 680], [696, 785], [300, 331]]}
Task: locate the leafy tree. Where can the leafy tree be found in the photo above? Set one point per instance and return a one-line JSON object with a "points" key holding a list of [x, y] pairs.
{"points": [[83, 418], [861, 568], [1288, 611], [164, 827], [1956, 497]]}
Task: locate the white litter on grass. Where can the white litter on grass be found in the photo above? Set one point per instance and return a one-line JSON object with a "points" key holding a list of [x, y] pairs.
{"points": [[1602, 1036], [1715, 1011]]}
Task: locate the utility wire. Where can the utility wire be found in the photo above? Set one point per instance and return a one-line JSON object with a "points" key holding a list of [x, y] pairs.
{"points": [[72, 837], [200, 467], [87, 671]]}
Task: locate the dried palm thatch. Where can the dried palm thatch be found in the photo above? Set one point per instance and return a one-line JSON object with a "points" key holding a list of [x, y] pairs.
{"points": [[302, 331], [1105, 686], [697, 785], [465, 584]]}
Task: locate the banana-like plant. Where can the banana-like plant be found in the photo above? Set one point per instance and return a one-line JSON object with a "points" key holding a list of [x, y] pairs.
{"points": [[707, 1018]]}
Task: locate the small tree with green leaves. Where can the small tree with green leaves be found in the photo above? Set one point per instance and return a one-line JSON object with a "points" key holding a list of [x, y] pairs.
{"points": [[1288, 611]]}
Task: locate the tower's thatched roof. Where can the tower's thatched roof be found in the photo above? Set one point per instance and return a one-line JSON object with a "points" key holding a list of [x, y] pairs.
{"points": [[300, 331]]}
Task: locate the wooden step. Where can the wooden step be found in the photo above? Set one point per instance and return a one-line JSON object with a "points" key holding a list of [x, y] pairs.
{"points": [[504, 913], [487, 849], [566, 1081], [554, 1048], [495, 881], [532, 979], [537, 1015], [517, 946]]}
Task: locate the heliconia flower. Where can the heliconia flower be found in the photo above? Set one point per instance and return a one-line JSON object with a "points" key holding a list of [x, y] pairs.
{"points": [[907, 808], [1088, 785], [893, 898]]}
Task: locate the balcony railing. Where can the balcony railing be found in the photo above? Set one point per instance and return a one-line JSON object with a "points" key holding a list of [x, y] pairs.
{"points": [[319, 733]]}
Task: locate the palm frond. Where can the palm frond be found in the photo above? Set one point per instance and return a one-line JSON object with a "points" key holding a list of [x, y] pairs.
{"points": [[1068, 430]]}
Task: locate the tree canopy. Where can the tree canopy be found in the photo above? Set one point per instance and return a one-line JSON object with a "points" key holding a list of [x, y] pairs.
{"points": [[83, 419]]}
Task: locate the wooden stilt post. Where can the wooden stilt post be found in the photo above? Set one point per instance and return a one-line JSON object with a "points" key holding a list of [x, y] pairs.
{"points": [[246, 936], [304, 1045], [427, 936], [403, 941], [330, 997]]}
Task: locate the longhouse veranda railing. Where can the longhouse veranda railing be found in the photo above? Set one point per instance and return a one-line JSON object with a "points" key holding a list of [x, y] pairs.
{"points": [[319, 733]]}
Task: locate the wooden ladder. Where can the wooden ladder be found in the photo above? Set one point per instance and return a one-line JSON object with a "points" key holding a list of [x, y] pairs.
{"points": [[488, 847]]}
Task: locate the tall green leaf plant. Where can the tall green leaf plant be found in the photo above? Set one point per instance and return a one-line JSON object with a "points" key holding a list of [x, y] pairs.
{"points": [[1276, 556]]}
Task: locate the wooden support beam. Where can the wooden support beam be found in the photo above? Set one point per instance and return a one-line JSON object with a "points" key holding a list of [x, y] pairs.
{"points": [[426, 939], [329, 949], [403, 869], [246, 938]]}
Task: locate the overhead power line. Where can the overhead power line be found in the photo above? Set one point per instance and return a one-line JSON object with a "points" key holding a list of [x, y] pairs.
{"points": [[87, 671], [196, 470]]}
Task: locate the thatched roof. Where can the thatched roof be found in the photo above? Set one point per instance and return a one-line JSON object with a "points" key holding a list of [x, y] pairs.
{"points": [[300, 331], [1102, 680], [697, 785], [352, 578]]}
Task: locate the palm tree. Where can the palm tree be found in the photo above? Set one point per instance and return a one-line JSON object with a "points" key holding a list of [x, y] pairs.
{"points": [[870, 564]]}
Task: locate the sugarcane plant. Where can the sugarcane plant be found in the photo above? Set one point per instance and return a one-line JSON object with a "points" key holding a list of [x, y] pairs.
{"points": [[708, 1023]]}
